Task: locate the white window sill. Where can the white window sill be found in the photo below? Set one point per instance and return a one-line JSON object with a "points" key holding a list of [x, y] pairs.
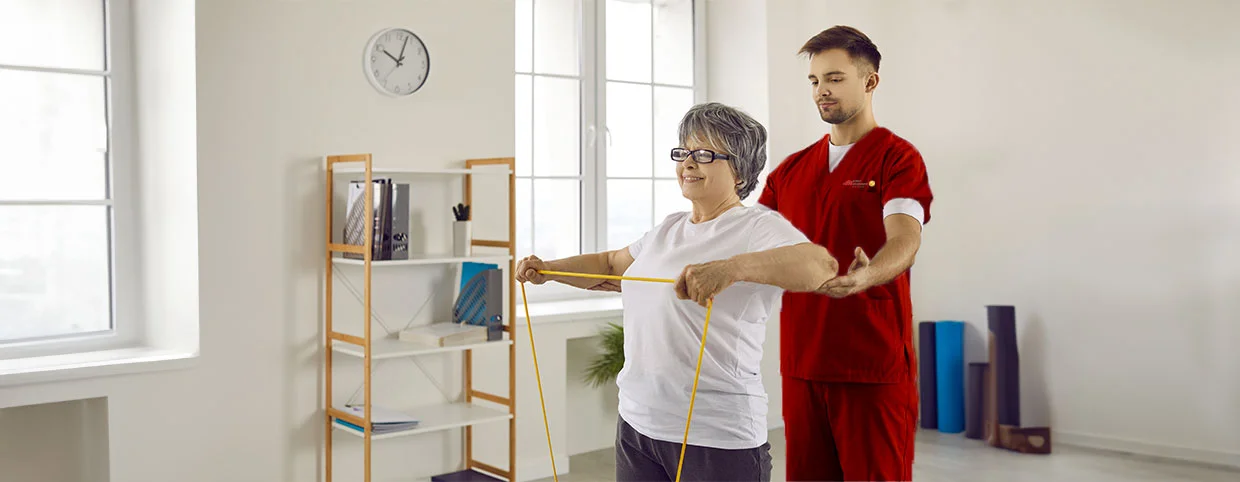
{"points": [[560, 311], [22, 371]]}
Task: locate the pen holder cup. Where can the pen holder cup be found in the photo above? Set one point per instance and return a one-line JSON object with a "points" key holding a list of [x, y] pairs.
{"points": [[462, 238]]}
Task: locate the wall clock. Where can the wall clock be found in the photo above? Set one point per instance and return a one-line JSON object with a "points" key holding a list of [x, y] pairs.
{"points": [[396, 62]]}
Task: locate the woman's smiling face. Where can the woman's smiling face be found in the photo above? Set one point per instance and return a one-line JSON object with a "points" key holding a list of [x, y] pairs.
{"points": [[709, 183]]}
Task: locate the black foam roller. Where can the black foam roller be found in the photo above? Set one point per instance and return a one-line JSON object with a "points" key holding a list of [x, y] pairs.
{"points": [[1002, 322], [975, 401], [929, 380]]}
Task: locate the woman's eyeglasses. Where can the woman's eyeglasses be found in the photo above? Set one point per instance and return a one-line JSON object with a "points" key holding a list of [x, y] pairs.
{"points": [[700, 156]]}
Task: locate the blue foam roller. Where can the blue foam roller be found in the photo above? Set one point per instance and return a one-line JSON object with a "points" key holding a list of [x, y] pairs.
{"points": [[949, 373]]}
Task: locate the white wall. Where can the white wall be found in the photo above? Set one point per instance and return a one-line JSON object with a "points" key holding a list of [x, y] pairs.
{"points": [[592, 411], [736, 43], [1092, 145], [279, 85], [55, 442]]}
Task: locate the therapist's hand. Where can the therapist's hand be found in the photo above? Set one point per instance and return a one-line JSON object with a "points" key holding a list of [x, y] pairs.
{"points": [[701, 282], [858, 279]]}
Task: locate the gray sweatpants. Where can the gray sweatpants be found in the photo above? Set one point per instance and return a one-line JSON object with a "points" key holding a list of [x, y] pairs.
{"points": [[642, 459]]}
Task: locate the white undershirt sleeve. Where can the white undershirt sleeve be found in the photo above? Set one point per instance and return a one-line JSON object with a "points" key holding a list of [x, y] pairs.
{"points": [[903, 205]]}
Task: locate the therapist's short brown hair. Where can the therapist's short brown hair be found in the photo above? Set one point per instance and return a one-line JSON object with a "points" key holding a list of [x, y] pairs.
{"points": [[851, 40]]}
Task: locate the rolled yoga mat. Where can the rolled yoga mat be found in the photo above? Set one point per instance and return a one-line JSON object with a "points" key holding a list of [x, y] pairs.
{"points": [[949, 371], [975, 400], [928, 382], [1005, 363], [990, 418]]}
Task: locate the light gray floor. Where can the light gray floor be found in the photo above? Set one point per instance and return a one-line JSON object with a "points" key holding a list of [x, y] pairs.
{"points": [[953, 458]]}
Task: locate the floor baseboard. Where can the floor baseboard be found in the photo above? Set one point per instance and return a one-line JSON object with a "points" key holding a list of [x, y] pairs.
{"points": [[1212, 458]]}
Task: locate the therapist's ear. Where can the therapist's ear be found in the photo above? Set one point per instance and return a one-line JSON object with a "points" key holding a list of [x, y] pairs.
{"points": [[871, 82]]}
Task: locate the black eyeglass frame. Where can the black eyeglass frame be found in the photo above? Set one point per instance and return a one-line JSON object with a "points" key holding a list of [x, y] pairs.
{"points": [[694, 154]]}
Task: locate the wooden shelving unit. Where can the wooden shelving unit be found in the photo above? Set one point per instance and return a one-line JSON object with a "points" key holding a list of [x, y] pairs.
{"points": [[433, 418]]}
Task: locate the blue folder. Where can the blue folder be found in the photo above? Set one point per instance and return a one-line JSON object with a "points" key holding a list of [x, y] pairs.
{"points": [[469, 269], [480, 301]]}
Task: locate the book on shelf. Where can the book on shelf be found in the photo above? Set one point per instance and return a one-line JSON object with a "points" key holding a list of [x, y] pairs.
{"points": [[445, 334], [382, 420], [391, 208]]}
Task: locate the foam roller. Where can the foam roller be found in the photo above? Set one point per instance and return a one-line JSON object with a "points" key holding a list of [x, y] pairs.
{"points": [[949, 370]]}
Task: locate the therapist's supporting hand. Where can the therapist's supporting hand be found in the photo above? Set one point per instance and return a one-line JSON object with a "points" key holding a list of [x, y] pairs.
{"points": [[528, 270], [701, 282], [858, 279]]}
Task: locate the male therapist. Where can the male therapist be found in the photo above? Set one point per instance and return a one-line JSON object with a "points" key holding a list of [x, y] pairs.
{"points": [[847, 357]]}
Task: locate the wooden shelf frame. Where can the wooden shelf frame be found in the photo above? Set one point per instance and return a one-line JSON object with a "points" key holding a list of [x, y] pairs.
{"points": [[366, 342]]}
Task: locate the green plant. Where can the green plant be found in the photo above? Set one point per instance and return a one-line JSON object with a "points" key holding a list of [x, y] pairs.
{"points": [[607, 364]]}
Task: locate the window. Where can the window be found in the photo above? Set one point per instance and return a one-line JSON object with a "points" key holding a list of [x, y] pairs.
{"points": [[58, 173], [601, 86]]}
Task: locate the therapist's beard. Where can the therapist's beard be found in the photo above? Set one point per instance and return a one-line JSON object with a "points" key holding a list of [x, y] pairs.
{"points": [[838, 115]]}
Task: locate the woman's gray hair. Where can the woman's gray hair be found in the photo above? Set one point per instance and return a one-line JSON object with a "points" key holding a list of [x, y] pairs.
{"points": [[736, 132]]}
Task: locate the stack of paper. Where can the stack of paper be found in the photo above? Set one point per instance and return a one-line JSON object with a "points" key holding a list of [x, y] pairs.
{"points": [[445, 334], [382, 420]]}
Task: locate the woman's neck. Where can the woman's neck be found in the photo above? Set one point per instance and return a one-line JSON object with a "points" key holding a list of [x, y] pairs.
{"points": [[706, 211]]}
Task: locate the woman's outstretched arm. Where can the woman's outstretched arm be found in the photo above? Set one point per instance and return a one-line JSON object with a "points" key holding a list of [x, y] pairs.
{"points": [[613, 263], [803, 267]]}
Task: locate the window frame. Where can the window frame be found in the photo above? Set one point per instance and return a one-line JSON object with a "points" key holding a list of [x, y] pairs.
{"points": [[127, 329], [592, 68]]}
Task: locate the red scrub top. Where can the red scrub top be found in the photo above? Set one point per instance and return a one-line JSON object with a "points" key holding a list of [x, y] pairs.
{"points": [[865, 337]]}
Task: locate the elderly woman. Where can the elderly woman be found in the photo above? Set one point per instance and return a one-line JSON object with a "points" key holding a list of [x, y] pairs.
{"points": [[742, 257]]}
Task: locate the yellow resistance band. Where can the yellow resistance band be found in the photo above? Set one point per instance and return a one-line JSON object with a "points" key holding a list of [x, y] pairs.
{"points": [[529, 325]]}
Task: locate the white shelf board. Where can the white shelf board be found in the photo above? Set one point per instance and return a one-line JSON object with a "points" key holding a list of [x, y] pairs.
{"points": [[394, 348], [410, 171], [422, 259], [435, 418]]}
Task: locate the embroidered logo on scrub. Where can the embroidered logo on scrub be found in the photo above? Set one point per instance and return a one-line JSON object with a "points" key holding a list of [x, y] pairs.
{"points": [[859, 184]]}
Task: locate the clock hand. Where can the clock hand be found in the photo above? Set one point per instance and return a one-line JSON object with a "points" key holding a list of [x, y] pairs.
{"points": [[402, 49], [385, 52]]}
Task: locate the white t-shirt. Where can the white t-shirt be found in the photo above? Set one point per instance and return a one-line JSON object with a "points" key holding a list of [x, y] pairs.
{"points": [[662, 333], [900, 205]]}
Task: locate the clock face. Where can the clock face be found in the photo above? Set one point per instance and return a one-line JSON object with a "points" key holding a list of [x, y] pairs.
{"points": [[396, 62]]}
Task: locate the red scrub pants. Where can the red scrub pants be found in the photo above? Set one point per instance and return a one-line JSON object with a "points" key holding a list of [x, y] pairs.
{"points": [[849, 431]]}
